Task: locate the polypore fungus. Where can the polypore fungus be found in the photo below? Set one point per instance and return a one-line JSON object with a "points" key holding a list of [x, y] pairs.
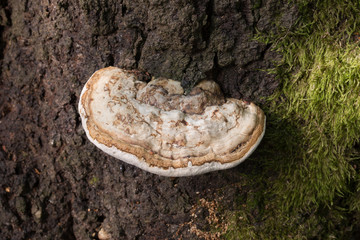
{"points": [[154, 126]]}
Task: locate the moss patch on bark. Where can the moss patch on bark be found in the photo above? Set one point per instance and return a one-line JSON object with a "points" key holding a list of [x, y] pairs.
{"points": [[308, 185]]}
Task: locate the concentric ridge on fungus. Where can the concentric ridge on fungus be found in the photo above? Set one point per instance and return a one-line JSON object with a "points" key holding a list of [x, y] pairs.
{"points": [[154, 126]]}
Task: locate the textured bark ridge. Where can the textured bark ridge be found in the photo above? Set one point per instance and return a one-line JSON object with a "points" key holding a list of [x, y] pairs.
{"points": [[55, 184]]}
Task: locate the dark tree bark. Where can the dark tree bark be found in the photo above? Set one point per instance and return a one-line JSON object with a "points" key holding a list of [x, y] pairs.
{"points": [[54, 183]]}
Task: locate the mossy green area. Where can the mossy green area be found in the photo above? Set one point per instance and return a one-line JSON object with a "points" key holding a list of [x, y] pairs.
{"points": [[306, 182]]}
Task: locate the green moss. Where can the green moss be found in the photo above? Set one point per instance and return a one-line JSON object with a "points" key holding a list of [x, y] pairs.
{"points": [[308, 155], [257, 4], [94, 181]]}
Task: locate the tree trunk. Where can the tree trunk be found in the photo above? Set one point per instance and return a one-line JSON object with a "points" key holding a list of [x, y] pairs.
{"points": [[55, 183]]}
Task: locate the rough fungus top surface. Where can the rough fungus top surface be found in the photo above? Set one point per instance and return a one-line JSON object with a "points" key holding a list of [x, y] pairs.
{"points": [[156, 127]]}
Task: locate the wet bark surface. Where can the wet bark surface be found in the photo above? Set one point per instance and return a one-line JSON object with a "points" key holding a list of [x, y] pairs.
{"points": [[54, 183]]}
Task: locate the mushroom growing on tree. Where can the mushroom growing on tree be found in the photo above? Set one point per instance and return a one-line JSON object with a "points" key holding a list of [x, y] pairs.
{"points": [[154, 126]]}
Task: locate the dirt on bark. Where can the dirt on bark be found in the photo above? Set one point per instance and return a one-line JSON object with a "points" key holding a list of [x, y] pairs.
{"points": [[55, 184]]}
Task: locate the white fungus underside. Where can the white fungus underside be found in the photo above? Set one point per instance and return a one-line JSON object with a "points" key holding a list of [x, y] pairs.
{"points": [[218, 137], [160, 131]]}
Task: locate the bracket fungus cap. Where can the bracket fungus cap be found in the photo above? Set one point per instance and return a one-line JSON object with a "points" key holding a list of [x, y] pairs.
{"points": [[155, 127]]}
